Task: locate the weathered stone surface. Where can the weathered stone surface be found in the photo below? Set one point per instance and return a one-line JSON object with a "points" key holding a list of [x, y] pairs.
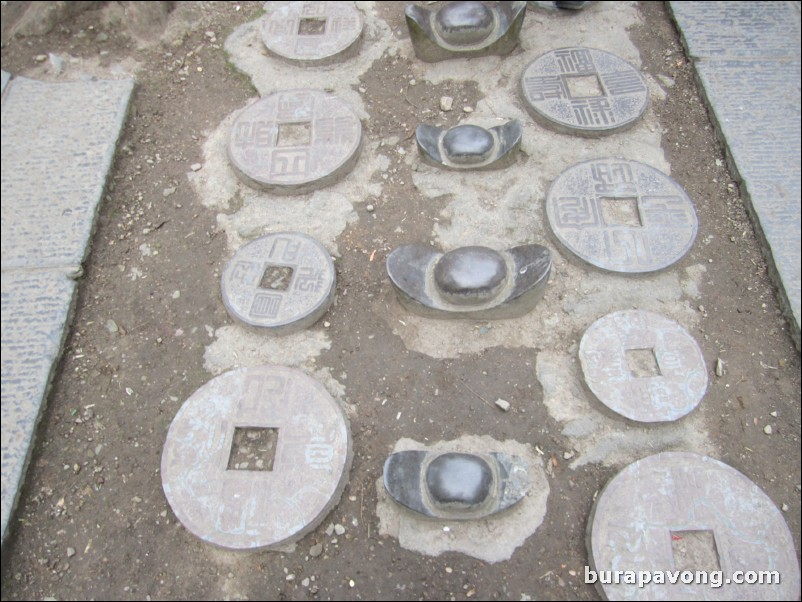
{"points": [[674, 497], [456, 485], [666, 383], [295, 141], [470, 146], [6, 77], [35, 308], [252, 508], [281, 283], [584, 91], [471, 282], [464, 30], [621, 216], [317, 33], [53, 177]]}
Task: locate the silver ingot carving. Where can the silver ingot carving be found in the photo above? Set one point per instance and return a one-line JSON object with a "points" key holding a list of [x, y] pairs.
{"points": [[464, 30], [469, 282], [470, 146], [456, 485]]}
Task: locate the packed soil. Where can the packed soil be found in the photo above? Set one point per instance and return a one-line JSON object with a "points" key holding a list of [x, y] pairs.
{"points": [[92, 520]]}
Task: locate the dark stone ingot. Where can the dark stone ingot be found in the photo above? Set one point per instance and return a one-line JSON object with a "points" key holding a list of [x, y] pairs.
{"points": [[464, 30], [456, 485], [471, 282], [470, 146]]}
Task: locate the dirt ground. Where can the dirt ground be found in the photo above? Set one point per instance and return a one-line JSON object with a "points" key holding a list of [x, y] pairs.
{"points": [[92, 520]]}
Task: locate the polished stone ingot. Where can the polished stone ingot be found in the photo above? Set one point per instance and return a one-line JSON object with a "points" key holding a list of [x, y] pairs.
{"points": [[678, 511], [464, 30], [314, 33], [470, 146], [469, 282], [456, 485]]}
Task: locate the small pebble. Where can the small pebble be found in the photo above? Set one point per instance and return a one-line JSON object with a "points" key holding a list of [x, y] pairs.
{"points": [[785, 508], [316, 550], [70, 552], [195, 166], [503, 404], [767, 429], [467, 109], [370, 208], [446, 103], [339, 529], [40, 58]]}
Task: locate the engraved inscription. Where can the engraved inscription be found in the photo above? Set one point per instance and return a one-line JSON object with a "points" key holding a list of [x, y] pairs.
{"points": [[260, 134], [577, 212], [623, 82], [289, 162], [613, 178], [310, 280], [593, 111], [545, 87], [285, 248], [575, 60], [265, 305], [245, 272]]}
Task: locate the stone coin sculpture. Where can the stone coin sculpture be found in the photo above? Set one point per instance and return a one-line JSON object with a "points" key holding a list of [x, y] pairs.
{"points": [[584, 91], [621, 216], [315, 33], [280, 283], [643, 366], [295, 141], [256, 458], [676, 514], [470, 146], [464, 30], [455, 485], [469, 282]]}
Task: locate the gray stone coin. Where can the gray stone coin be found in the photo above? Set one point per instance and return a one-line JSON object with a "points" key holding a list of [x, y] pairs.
{"points": [[295, 141], [256, 458], [281, 282], [584, 91], [312, 32], [643, 366], [621, 216], [677, 513]]}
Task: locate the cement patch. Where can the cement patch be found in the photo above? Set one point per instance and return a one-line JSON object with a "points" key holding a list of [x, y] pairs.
{"points": [[492, 539]]}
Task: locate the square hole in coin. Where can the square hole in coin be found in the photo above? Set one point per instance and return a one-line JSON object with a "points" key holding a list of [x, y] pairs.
{"points": [[584, 86], [294, 134], [312, 27], [276, 277], [642, 363], [695, 551], [253, 448], [621, 211]]}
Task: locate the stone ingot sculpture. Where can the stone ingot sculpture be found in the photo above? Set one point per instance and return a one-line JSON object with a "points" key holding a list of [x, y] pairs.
{"points": [[456, 485], [470, 282], [464, 30], [470, 146]]}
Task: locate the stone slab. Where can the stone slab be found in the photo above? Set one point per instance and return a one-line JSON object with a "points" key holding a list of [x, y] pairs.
{"points": [[35, 309], [668, 390], [656, 503], [295, 141], [748, 65], [312, 32], [57, 146], [302, 289], [738, 29], [584, 91], [621, 216], [248, 508]]}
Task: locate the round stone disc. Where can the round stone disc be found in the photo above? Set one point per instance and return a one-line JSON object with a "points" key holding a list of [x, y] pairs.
{"points": [[584, 91], [621, 216], [679, 511], [281, 282], [295, 141], [255, 458], [314, 32], [643, 366]]}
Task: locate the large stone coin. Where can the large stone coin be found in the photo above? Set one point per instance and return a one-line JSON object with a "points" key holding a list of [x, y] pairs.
{"points": [[256, 458], [643, 366], [677, 513], [621, 216], [584, 91], [295, 141]]}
